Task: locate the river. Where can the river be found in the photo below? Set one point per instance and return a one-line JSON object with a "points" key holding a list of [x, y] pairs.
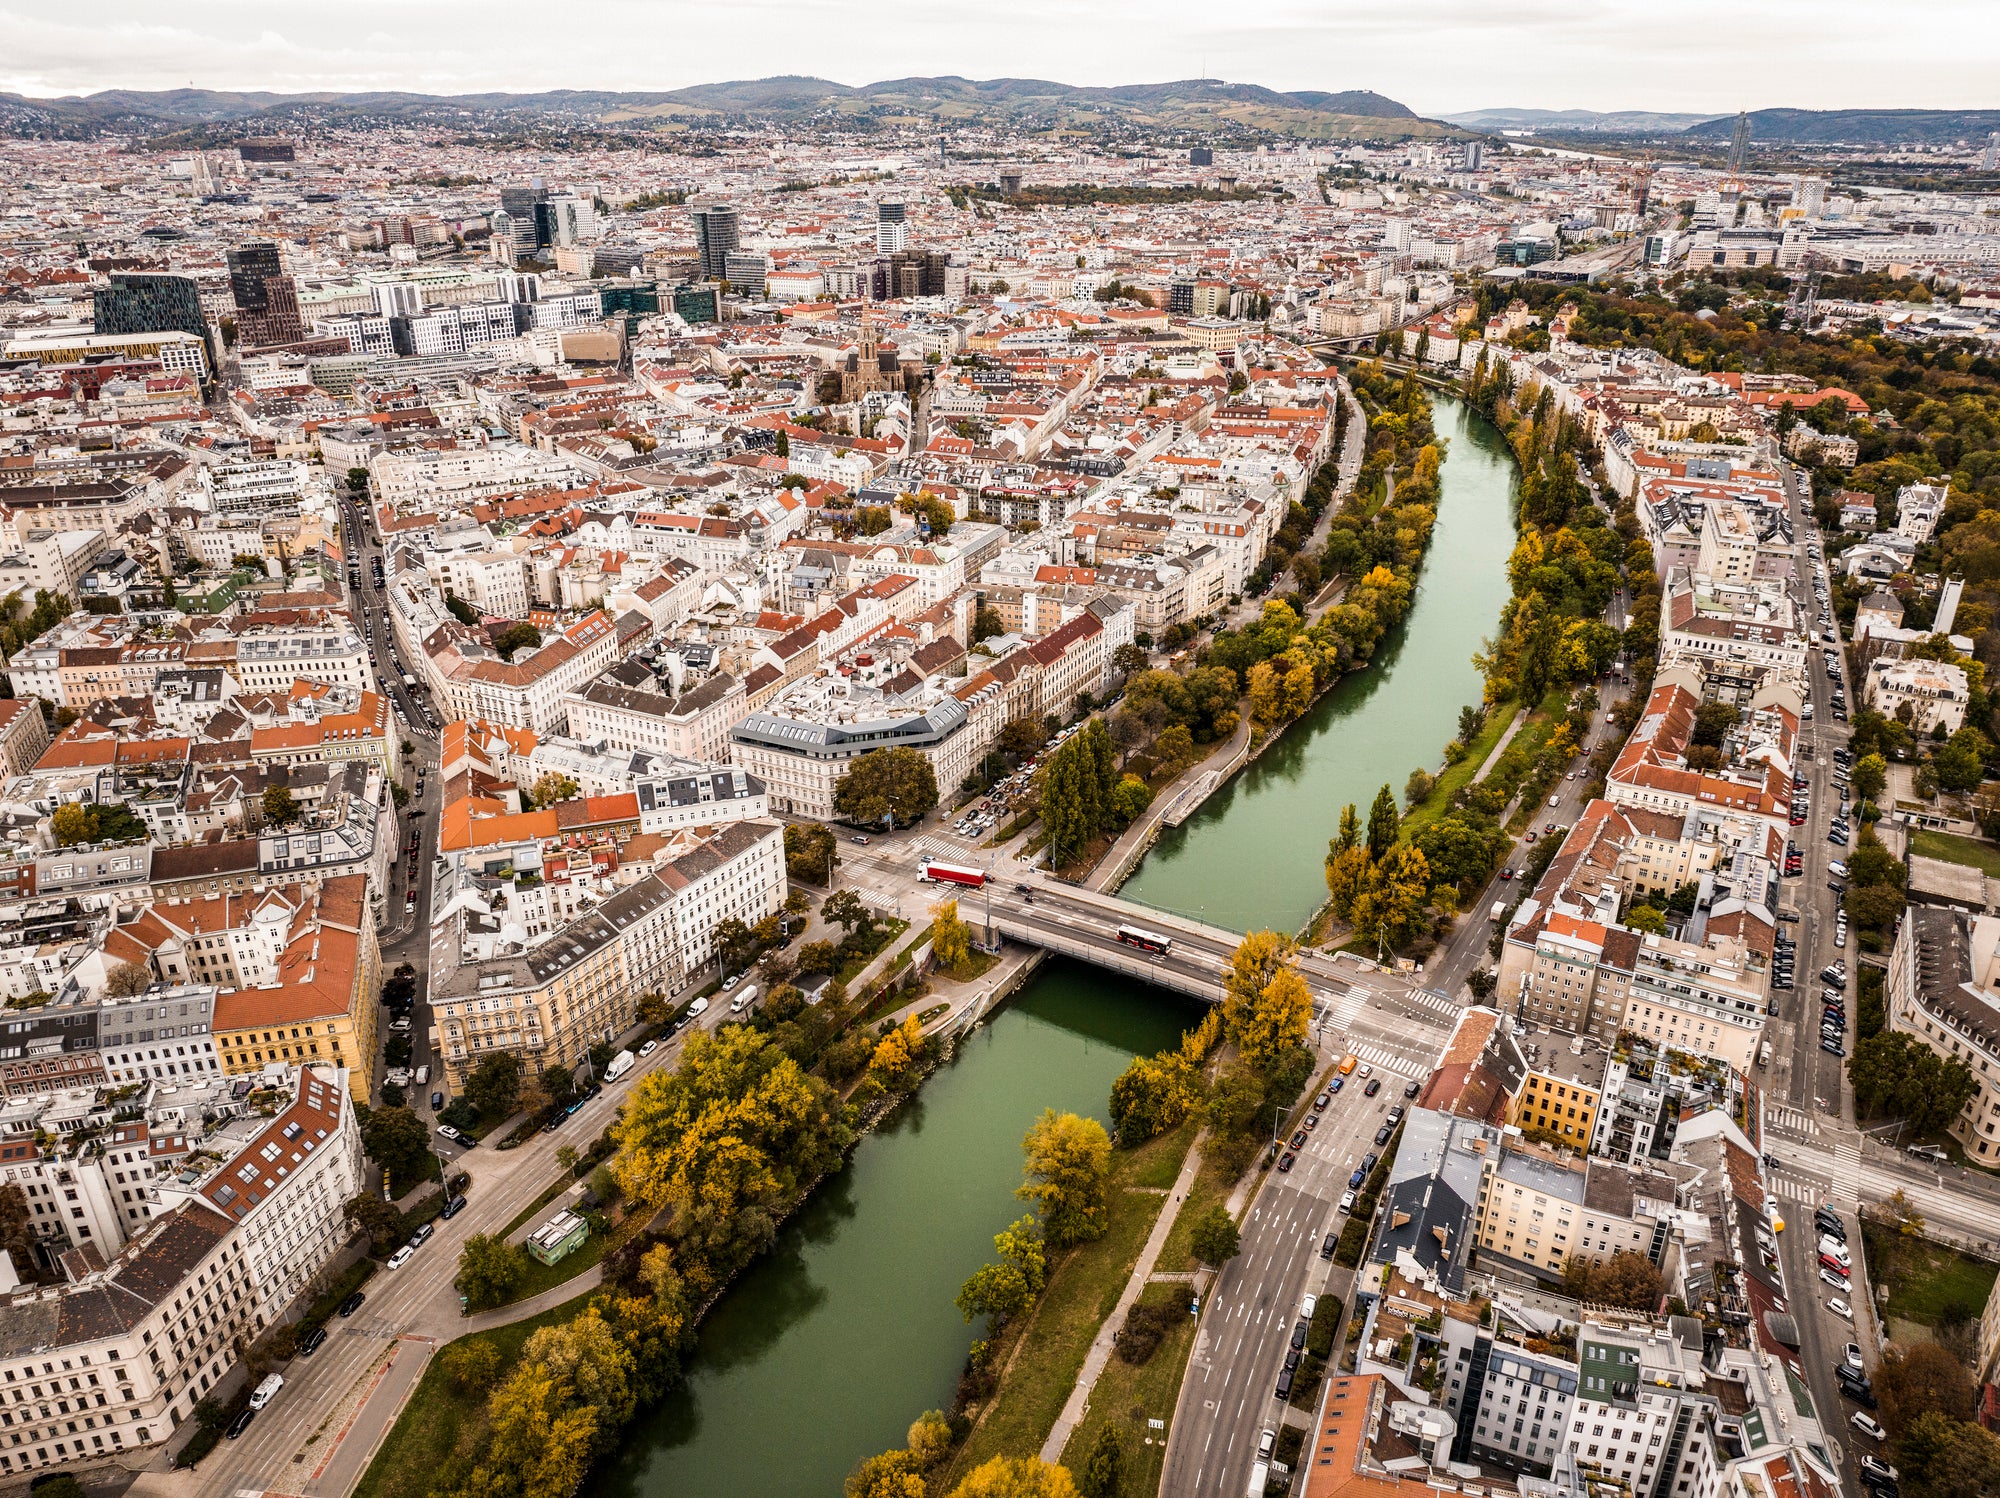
{"points": [[1252, 857], [832, 1343]]}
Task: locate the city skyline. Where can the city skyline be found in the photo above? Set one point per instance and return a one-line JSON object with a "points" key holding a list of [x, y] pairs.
{"points": [[1531, 55]]}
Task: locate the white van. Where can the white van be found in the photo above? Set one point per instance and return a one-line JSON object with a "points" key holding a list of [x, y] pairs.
{"points": [[423, 1075], [1260, 1477], [267, 1391], [743, 999]]}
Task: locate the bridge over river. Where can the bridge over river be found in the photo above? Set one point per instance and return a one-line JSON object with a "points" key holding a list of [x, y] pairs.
{"points": [[1392, 1019]]}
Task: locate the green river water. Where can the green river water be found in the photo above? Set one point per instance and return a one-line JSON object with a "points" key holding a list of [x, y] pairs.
{"points": [[833, 1342]]}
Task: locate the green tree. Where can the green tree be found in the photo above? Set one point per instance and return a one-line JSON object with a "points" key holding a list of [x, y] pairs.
{"points": [[559, 1082], [515, 638], [889, 1474], [1961, 764], [397, 1140], [1647, 918], [887, 784], [1129, 800], [1384, 823], [551, 789], [494, 1085], [1417, 789], [380, 1220], [735, 944], [74, 822], [1215, 1239], [281, 808], [460, 610], [1871, 773], [490, 1269], [1945, 1458], [1104, 1467], [1006, 1288], [1067, 1164], [472, 1363]]}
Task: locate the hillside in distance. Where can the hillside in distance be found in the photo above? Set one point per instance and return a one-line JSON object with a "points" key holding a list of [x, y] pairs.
{"points": [[1857, 127], [1019, 103], [1614, 122]]}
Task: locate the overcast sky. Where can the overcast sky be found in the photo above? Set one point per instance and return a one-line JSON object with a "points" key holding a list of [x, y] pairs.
{"points": [[1437, 56]]}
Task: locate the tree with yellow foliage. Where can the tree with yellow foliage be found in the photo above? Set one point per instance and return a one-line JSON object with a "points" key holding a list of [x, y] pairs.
{"points": [[951, 939], [1067, 1163], [1268, 1007], [1016, 1477], [897, 1056]]}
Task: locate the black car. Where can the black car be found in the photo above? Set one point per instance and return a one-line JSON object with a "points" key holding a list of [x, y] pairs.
{"points": [[240, 1424], [352, 1304], [1321, 1101], [1299, 1334], [1382, 1134], [1299, 1140], [452, 1208], [1286, 1161], [312, 1341], [1374, 1086], [1326, 1248], [1861, 1396], [1284, 1389], [1411, 1089], [437, 1101], [1292, 1356], [1368, 1163]]}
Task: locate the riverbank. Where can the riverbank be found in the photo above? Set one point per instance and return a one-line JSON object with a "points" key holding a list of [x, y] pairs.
{"points": [[1253, 854]]}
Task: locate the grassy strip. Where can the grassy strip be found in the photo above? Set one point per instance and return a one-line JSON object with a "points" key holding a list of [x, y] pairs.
{"points": [[1950, 848], [1128, 1397], [542, 1277], [1211, 1186], [1457, 777], [1083, 1290], [442, 1421]]}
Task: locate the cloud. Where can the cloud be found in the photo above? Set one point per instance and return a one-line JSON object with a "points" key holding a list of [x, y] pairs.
{"points": [[1435, 55]]}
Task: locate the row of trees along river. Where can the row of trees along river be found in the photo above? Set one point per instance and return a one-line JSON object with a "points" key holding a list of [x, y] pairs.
{"points": [[833, 1342]]}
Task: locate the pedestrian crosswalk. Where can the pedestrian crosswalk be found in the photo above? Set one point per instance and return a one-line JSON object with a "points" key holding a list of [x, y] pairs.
{"points": [[1791, 1120], [940, 846], [1430, 998], [1807, 1192]]}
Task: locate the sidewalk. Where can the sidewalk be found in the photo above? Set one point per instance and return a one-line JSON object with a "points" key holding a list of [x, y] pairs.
{"points": [[1078, 1404]]}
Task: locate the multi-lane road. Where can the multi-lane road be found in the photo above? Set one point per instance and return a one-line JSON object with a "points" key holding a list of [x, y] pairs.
{"points": [[316, 1436], [1229, 1395]]}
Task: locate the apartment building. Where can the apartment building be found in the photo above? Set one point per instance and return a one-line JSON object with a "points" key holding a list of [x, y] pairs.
{"points": [[287, 1187], [1563, 1089], [298, 968], [166, 1034], [1538, 1210], [1925, 694], [579, 987], [633, 707], [1944, 989], [529, 691], [116, 1358]]}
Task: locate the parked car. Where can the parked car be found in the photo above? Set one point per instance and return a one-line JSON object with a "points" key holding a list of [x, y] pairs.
{"points": [[1346, 1203], [1286, 1161], [401, 1256], [240, 1424], [1867, 1425], [352, 1304], [312, 1342]]}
